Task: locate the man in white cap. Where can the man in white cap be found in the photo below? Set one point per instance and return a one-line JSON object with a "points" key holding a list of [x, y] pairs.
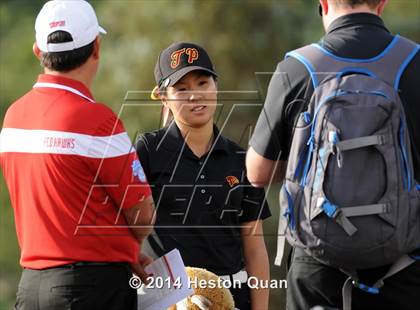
{"points": [[81, 201]]}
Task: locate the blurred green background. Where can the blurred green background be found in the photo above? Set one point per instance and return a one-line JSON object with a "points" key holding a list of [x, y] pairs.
{"points": [[244, 38]]}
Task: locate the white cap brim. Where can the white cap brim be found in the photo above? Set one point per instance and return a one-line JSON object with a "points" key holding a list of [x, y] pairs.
{"points": [[101, 30]]}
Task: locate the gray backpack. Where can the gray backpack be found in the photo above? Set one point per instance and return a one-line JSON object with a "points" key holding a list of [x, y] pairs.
{"points": [[349, 196]]}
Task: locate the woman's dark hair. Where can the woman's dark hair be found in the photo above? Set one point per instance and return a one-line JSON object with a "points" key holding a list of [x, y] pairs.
{"points": [[68, 60]]}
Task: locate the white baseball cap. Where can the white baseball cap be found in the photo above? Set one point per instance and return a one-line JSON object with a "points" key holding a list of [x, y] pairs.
{"points": [[76, 17]]}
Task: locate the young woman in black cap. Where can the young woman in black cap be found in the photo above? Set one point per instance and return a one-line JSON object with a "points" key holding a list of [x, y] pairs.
{"points": [[206, 208]]}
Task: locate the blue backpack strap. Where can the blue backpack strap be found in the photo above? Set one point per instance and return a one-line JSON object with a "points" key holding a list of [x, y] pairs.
{"points": [[388, 66], [306, 62], [402, 68]]}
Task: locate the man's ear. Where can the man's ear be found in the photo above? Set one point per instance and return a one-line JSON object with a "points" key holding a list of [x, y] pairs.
{"points": [[36, 50], [325, 6], [381, 7], [96, 48]]}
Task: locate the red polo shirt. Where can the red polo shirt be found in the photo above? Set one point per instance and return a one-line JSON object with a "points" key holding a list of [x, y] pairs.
{"points": [[70, 167]]}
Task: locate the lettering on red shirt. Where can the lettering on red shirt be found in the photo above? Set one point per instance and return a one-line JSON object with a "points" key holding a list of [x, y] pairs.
{"points": [[64, 143]]}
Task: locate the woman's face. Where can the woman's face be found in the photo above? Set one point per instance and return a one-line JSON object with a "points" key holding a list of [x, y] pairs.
{"points": [[193, 99]]}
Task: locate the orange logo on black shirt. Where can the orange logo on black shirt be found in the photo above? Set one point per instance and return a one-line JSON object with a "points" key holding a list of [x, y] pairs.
{"points": [[232, 180]]}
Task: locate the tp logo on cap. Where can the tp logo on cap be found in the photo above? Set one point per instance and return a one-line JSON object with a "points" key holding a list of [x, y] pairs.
{"points": [[177, 60], [176, 56]]}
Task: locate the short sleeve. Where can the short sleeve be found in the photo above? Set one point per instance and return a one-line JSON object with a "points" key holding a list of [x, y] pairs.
{"points": [[285, 100], [116, 165], [254, 204], [143, 153]]}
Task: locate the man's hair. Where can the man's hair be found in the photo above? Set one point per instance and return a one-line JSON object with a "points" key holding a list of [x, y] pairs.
{"points": [[353, 3], [68, 60]]}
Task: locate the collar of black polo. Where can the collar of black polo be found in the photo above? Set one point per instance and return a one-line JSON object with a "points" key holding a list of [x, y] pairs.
{"points": [[356, 19], [173, 140]]}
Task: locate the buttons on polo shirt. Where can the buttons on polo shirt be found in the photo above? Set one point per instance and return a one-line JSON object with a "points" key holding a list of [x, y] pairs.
{"points": [[202, 176], [203, 191], [200, 163]]}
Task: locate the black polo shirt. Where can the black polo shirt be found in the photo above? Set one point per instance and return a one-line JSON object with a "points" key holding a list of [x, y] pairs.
{"points": [[359, 35], [201, 202]]}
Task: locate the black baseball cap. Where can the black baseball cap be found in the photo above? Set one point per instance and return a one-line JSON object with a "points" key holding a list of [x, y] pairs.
{"points": [[179, 59]]}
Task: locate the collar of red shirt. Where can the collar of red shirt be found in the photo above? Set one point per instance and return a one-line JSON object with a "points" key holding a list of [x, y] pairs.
{"points": [[61, 80]]}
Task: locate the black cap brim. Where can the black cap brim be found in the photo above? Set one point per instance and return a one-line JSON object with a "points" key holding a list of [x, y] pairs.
{"points": [[176, 76]]}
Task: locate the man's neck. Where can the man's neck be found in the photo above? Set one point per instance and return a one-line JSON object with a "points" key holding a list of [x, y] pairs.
{"points": [[77, 74]]}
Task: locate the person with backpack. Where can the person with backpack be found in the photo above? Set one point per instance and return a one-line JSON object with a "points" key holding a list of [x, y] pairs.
{"points": [[81, 201], [206, 208], [340, 127]]}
